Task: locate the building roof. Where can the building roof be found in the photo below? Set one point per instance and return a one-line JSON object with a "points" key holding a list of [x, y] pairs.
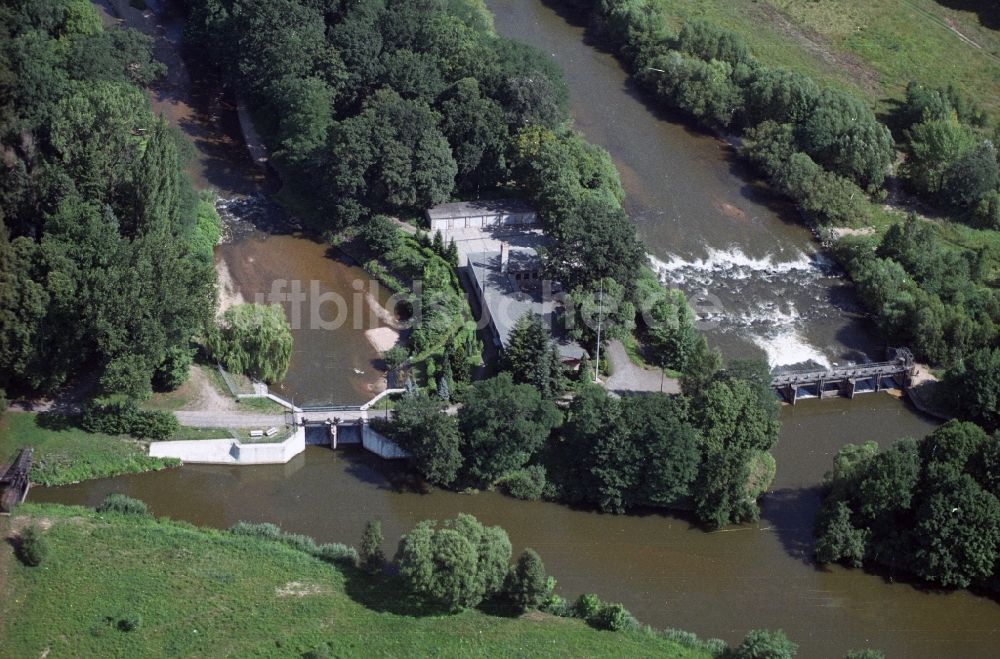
{"points": [[507, 301], [478, 209]]}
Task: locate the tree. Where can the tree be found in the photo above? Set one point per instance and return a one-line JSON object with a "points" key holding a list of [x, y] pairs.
{"points": [[372, 557], [394, 358], [420, 427], [526, 354], [381, 235], [255, 340], [969, 178], [736, 425], [527, 585], [503, 425], [475, 127], [931, 148], [974, 385], [957, 531], [456, 565], [843, 135], [764, 644], [443, 391], [592, 240], [839, 540]]}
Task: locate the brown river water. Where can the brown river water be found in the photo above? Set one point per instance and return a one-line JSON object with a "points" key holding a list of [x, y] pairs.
{"points": [[665, 571]]}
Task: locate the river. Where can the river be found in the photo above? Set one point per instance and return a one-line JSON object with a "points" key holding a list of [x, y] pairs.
{"points": [[665, 571], [261, 244]]}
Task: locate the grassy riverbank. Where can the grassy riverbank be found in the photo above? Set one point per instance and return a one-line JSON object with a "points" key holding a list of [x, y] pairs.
{"points": [[871, 48], [208, 593], [66, 454]]}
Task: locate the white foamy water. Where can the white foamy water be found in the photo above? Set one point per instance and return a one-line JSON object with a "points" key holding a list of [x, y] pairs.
{"points": [[766, 301]]}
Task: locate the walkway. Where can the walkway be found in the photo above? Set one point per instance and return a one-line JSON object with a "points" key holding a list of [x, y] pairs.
{"points": [[628, 378], [223, 419]]}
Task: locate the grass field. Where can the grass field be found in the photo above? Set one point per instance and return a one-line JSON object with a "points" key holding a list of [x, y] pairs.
{"points": [[65, 454], [874, 47], [198, 592]]}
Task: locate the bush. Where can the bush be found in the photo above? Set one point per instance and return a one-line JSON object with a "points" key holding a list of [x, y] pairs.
{"points": [[380, 235], [527, 483], [33, 547], [154, 424], [764, 644], [337, 553], [613, 617], [372, 556], [557, 606], [129, 622], [587, 606], [263, 531], [331, 552], [119, 503]]}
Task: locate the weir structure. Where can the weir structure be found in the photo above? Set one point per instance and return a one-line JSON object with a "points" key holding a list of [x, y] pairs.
{"points": [[846, 381]]}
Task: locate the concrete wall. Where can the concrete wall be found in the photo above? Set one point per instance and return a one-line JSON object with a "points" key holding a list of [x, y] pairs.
{"points": [[500, 218], [381, 445], [230, 451]]}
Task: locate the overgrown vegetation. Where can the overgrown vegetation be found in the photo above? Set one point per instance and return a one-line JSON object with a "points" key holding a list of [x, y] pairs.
{"points": [[64, 453], [105, 250], [929, 508]]}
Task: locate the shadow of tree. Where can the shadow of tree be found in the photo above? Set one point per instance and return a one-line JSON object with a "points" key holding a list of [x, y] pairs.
{"points": [[57, 421], [387, 593], [792, 512]]}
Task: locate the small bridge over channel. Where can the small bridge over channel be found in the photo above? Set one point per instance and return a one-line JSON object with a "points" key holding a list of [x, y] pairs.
{"points": [[14, 481], [846, 381]]}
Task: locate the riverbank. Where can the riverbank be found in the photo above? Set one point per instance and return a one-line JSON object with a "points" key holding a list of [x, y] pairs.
{"points": [[66, 454], [242, 596]]}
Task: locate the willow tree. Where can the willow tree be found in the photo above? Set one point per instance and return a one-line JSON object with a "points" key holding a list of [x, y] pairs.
{"points": [[253, 339]]}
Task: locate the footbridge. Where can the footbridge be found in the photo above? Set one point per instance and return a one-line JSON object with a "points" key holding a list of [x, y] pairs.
{"points": [[14, 481], [846, 381]]}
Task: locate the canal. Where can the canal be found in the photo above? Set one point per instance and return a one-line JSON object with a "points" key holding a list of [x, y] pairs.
{"points": [[682, 188]]}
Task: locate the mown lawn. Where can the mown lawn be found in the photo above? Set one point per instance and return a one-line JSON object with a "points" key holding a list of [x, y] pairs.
{"points": [[198, 592], [66, 454]]}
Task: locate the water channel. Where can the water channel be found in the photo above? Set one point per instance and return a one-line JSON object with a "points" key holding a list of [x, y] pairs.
{"points": [[664, 570]]}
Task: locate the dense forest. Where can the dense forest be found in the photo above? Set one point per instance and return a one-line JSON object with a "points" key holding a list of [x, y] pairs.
{"points": [[105, 250], [705, 450], [928, 508]]}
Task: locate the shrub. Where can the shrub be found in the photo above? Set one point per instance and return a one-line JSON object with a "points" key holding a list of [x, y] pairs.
{"points": [[372, 556], [119, 503], [613, 617], [113, 415], [526, 585], [33, 547], [380, 235], [154, 424], [527, 483], [337, 553], [557, 606], [129, 622], [764, 644], [587, 606], [264, 530]]}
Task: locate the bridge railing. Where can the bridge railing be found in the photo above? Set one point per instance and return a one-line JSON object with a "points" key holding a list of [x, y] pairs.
{"points": [[860, 371]]}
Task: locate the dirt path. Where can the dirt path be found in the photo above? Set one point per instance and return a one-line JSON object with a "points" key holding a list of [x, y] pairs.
{"points": [[223, 419]]}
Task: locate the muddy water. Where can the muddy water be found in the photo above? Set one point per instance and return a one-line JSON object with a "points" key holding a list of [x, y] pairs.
{"points": [[666, 572], [741, 255], [328, 365]]}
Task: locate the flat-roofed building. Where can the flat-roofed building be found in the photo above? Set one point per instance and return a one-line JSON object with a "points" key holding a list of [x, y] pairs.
{"points": [[508, 284], [480, 215]]}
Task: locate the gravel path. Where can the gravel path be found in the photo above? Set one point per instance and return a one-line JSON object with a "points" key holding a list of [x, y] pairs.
{"points": [[222, 419], [627, 378]]}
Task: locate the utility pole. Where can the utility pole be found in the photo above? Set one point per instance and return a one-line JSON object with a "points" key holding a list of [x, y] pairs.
{"points": [[600, 318]]}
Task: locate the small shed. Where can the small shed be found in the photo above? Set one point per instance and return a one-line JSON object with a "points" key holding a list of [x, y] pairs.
{"points": [[480, 215]]}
